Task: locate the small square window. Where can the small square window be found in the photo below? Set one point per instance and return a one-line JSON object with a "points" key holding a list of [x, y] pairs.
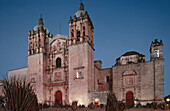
{"points": [[156, 53], [79, 75]]}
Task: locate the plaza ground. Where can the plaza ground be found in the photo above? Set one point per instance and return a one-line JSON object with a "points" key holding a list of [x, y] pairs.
{"points": [[98, 109]]}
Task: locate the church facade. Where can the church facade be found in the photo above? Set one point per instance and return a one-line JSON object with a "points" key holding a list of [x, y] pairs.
{"points": [[62, 68]]}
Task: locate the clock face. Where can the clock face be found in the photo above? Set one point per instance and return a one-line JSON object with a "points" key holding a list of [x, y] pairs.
{"points": [[156, 53]]}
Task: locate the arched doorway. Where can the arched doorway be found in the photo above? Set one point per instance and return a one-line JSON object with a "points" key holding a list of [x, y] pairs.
{"points": [[58, 98], [129, 98]]}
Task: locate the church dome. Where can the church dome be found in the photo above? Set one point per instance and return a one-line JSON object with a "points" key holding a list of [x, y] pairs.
{"points": [[80, 11], [40, 26]]}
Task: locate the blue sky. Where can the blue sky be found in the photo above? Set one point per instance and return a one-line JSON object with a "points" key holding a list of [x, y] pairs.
{"points": [[119, 26]]}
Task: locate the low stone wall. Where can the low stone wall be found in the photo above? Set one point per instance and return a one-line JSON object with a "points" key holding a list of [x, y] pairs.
{"points": [[100, 95]]}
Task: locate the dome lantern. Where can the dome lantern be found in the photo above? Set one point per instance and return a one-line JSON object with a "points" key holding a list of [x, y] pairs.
{"points": [[41, 22], [81, 6]]}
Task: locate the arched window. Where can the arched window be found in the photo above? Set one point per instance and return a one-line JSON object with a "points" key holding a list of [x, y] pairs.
{"points": [[72, 33], [58, 62], [83, 30], [78, 35]]}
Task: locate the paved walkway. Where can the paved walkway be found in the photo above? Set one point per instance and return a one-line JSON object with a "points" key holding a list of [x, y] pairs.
{"points": [[98, 109], [69, 109], [143, 109]]}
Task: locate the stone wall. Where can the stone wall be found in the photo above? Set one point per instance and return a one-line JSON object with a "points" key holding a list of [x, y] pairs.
{"points": [[142, 83], [80, 60], [36, 74], [100, 95], [159, 79], [18, 73]]}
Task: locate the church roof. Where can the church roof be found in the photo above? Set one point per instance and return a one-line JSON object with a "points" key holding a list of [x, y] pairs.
{"points": [[132, 53]]}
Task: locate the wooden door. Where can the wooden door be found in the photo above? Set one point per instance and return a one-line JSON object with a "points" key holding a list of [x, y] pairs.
{"points": [[129, 98], [58, 98]]}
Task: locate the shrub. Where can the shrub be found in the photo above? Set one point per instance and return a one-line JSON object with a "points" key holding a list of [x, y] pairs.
{"points": [[45, 105], [139, 105], [91, 105], [83, 106], [101, 106], [66, 106], [162, 105], [155, 106], [40, 106], [19, 96], [121, 106], [74, 105], [2, 101], [148, 105], [111, 102], [129, 106], [80, 106]]}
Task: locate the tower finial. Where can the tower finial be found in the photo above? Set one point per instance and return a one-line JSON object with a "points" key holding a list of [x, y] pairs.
{"points": [[81, 6], [80, 1], [41, 22]]}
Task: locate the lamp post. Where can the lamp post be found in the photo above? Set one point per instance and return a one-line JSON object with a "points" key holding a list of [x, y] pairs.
{"points": [[167, 101]]}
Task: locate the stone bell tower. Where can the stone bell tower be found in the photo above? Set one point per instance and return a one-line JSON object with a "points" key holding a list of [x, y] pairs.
{"points": [[81, 27], [38, 44], [156, 50], [156, 57], [81, 57]]}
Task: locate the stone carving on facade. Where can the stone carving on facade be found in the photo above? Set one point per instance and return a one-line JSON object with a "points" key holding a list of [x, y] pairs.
{"points": [[58, 46], [78, 57], [66, 60], [57, 76], [129, 78], [54, 47], [129, 81]]}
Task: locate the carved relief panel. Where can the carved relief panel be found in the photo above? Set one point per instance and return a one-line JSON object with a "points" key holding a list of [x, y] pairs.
{"points": [[58, 46], [129, 78], [57, 76]]}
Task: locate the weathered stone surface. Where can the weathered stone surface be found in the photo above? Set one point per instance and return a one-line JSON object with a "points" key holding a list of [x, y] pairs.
{"points": [[62, 69]]}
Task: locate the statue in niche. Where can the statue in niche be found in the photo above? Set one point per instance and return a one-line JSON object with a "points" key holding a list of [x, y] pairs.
{"points": [[54, 48], [66, 60], [64, 44], [58, 46]]}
